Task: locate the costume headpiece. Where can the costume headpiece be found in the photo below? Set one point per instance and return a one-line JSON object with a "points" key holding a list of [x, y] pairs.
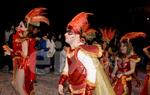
{"points": [[107, 34], [35, 16], [79, 23], [132, 35]]}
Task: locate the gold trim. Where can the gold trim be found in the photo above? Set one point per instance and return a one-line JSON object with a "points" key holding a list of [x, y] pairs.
{"points": [[135, 60], [91, 84], [77, 91]]}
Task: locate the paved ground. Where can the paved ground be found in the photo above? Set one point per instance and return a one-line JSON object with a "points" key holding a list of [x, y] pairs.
{"points": [[46, 84]]}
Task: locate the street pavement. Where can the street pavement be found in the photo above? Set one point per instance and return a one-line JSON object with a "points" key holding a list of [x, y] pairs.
{"points": [[46, 84]]}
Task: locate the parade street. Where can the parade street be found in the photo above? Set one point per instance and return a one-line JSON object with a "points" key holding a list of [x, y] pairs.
{"points": [[46, 84]]}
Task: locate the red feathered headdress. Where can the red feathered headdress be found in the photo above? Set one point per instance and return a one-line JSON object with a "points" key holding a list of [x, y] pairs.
{"points": [[79, 23], [132, 35], [35, 16], [107, 34]]}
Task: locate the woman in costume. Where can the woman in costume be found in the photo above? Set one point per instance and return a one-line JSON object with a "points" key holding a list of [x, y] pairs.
{"points": [[26, 70], [125, 64], [24, 52]]}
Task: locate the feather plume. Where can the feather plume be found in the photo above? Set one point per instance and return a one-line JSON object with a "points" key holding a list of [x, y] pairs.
{"points": [[132, 35], [111, 33], [79, 22], [40, 19], [36, 15], [107, 33], [35, 12]]}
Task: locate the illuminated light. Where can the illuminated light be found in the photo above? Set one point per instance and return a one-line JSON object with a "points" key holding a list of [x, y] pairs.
{"points": [[147, 18]]}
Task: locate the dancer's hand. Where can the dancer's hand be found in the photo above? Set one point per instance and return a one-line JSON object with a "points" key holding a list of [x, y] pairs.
{"points": [[7, 48], [113, 75], [119, 75], [61, 89]]}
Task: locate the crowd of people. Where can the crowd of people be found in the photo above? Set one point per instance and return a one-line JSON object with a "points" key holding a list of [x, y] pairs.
{"points": [[85, 65]]}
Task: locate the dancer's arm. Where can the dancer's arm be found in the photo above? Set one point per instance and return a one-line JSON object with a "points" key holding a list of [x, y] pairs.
{"points": [[25, 49], [145, 50]]}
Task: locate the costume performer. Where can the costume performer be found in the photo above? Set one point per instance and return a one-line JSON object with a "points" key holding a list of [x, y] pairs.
{"points": [[24, 52], [125, 64], [82, 70]]}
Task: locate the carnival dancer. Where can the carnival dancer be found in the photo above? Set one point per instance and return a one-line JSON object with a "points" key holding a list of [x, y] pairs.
{"points": [[24, 52], [82, 70], [125, 64]]}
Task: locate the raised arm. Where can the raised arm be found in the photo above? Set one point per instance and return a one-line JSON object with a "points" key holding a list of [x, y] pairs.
{"points": [[145, 50]]}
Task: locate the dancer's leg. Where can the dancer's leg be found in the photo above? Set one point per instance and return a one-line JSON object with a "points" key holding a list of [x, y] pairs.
{"points": [[20, 78]]}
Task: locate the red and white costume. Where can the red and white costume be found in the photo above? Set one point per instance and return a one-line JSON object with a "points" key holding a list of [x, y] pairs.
{"points": [[24, 52], [82, 70]]}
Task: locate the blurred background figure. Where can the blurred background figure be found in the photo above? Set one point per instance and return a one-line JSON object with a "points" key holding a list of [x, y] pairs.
{"points": [[62, 58], [57, 58]]}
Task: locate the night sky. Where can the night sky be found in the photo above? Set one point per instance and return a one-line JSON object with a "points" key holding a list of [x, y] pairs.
{"points": [[125, 15]]}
